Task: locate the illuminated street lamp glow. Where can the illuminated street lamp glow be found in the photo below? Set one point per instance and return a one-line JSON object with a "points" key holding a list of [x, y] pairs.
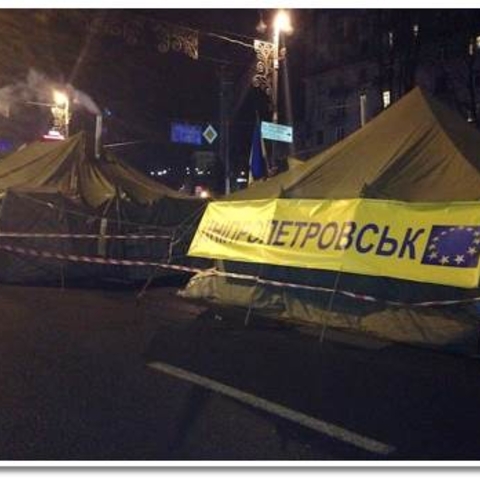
{"points": [[60, 98], [61, 111], [282, 22]]}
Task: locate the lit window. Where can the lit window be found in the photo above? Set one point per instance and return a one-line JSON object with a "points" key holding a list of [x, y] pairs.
{"points": [[386, 98], [477, 41], [390, 39]]}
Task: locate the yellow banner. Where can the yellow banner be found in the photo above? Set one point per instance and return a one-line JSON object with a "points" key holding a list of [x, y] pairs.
{"points": [[424, 242]]}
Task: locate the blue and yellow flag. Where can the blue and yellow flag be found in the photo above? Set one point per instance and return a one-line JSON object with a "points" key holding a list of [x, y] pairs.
{"points": [[257, 161]]}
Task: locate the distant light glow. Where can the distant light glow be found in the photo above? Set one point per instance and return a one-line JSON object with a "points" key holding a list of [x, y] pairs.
{"points": [[53, 135], [204, 194], [60, 98], [5, 145], [282, 22], [386, 98], [184, 133], [390, 39]]}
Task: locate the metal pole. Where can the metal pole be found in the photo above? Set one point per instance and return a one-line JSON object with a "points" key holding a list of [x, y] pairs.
{"points": [[224, 143], [288, 98], [276, 41], [363, 109], [67, 117], [98, 136], [276, 38]]}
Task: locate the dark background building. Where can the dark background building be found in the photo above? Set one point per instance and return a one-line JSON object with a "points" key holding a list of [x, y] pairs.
{"points": [[380, 55]]}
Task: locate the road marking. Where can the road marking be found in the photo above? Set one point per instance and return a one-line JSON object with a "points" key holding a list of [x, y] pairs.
{"points": [[320, 426]]}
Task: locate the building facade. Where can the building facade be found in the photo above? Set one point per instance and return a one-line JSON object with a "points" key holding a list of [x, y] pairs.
{"points": [[361, 61]]}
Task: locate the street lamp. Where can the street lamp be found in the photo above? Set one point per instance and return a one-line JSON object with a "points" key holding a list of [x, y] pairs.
{"points": [[61, 111], [268, 58], [281, 23], [268, 63]]}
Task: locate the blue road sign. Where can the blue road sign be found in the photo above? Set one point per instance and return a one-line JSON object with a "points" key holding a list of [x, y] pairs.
{"points": [[185, 133]]}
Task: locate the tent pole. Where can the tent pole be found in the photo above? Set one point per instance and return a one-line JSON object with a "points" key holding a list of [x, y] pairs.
{"points": [[363, 109], [330, 304], [151, 277], [98, 136], [250, 305]]}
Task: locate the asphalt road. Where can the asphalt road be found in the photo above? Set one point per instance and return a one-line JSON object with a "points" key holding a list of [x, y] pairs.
{"points": [[78, 383]]}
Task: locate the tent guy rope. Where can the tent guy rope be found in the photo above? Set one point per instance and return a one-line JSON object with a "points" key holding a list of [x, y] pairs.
{"points": [[114, 261]]}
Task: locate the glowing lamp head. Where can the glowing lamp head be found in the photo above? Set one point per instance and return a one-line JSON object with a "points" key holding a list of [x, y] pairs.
{"points": [[282, 22], [60, 98]]}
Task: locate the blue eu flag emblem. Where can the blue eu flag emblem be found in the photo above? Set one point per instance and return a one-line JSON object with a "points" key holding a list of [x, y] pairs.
{"points": [[453, 246]]}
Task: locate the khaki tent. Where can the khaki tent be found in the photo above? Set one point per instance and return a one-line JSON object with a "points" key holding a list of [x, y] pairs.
{"points": [[65, 166], [416, 151], [56, 188]]}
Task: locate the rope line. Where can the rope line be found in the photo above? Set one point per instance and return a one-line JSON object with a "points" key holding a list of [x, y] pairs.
{"points": [[83, 236], [92, 216], [215, 272]]}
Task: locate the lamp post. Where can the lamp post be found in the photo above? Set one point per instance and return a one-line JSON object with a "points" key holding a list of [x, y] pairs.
{"points": [[268, 64], [280, 24]]}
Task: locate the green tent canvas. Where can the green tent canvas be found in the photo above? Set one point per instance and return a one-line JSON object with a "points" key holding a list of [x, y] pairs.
{"points": [[417, 150], [107, 195]]}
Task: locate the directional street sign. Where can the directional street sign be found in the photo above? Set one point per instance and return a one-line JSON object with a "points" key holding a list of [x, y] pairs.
{"points": [[210, 134], [277, 132], [184, 133]]}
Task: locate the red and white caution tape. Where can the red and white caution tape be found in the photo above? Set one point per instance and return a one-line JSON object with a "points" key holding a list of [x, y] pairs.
{"points": [[96, 260], [84, 235], [214, 272], [346, 293]]}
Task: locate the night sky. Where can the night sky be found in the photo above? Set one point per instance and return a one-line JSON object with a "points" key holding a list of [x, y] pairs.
{"points": [[140, 90]]}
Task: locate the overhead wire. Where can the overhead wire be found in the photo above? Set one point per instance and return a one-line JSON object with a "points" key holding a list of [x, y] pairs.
{"points": [[230, 40]]}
